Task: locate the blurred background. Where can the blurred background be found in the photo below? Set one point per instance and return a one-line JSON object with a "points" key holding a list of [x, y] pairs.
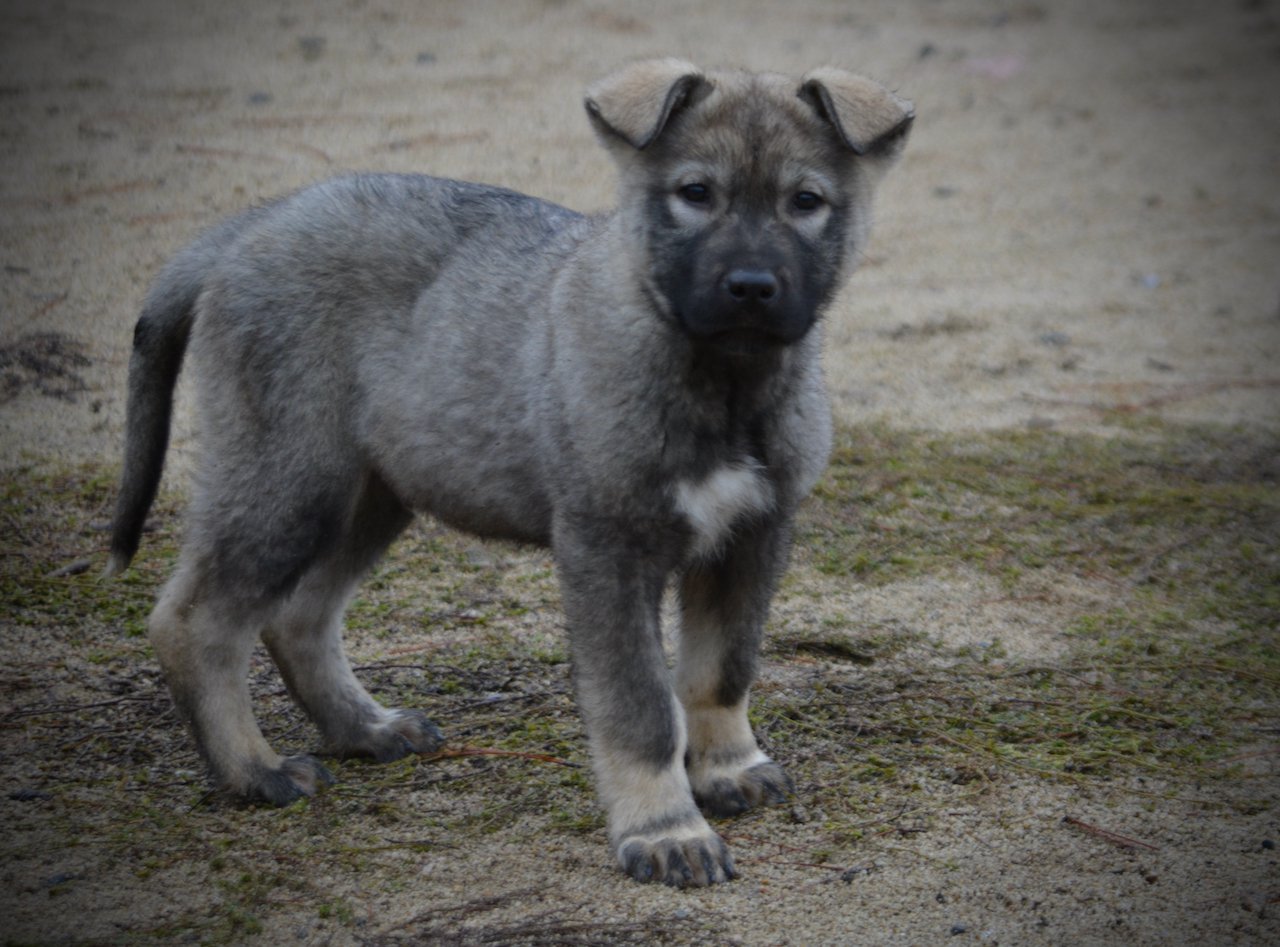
{"points": [[1086, 221]]}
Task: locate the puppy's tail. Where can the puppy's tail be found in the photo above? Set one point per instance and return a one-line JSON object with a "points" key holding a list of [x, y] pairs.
{"points": [[159, 343]]}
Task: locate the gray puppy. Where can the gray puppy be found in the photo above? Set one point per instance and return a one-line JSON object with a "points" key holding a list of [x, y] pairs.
{"points": [[640, 391]]}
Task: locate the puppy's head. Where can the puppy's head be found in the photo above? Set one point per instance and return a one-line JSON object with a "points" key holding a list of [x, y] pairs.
{"points": [[749, 194]]}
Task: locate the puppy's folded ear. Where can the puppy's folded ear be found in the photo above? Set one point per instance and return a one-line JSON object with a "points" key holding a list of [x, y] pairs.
{"points": [[870, 120], [635, 103]]}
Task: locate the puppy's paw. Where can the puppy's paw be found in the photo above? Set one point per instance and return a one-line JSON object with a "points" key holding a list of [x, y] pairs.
{"points": [[295, 778], [398, 734], [723, 794], [682, 859]]}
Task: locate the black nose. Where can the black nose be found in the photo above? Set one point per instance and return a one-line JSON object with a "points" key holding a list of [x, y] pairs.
{"points": [[752, 286]]}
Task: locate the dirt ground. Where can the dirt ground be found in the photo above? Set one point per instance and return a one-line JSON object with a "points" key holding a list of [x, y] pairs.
{"points": [[1085, 231]]}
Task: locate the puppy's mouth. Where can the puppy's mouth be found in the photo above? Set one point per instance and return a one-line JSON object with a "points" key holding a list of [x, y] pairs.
{"points": [[745, 342]]}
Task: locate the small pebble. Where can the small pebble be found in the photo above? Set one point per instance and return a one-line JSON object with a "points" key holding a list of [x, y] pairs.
{"points": [[958, 929]]}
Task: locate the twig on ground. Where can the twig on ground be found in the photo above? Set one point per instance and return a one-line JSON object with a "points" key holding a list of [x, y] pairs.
{"points": [[76, 708], [1120, 841], [49, 306], [463, 751]]}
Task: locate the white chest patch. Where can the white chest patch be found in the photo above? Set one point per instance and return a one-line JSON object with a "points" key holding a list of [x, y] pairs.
{"points": [[713, 505]]}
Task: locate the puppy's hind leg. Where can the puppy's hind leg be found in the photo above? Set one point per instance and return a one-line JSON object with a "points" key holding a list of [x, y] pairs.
{"points": [[305, 640], [204, 643], [724, 603], [259, 525]]}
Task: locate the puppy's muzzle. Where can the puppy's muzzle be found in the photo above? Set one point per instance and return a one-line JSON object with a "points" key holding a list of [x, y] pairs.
{"points": [[751, 310]]}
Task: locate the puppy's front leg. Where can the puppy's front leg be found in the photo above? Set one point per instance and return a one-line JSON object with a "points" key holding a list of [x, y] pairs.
{"points": [[612, 588], [724, 601]]}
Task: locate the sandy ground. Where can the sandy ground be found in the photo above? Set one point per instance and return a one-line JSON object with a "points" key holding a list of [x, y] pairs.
{"points": [[1086, 228]]}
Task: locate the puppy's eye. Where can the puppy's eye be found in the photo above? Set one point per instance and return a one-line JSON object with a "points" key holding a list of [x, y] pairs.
{"points": [[696, 193], [806, 201]]}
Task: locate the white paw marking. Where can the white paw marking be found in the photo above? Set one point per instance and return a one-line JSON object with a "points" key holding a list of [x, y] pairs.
{"points": [[714, 505], [636, 794]]}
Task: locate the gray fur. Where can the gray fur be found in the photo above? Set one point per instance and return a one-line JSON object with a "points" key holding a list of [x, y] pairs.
{"points": [[640, 391]]}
